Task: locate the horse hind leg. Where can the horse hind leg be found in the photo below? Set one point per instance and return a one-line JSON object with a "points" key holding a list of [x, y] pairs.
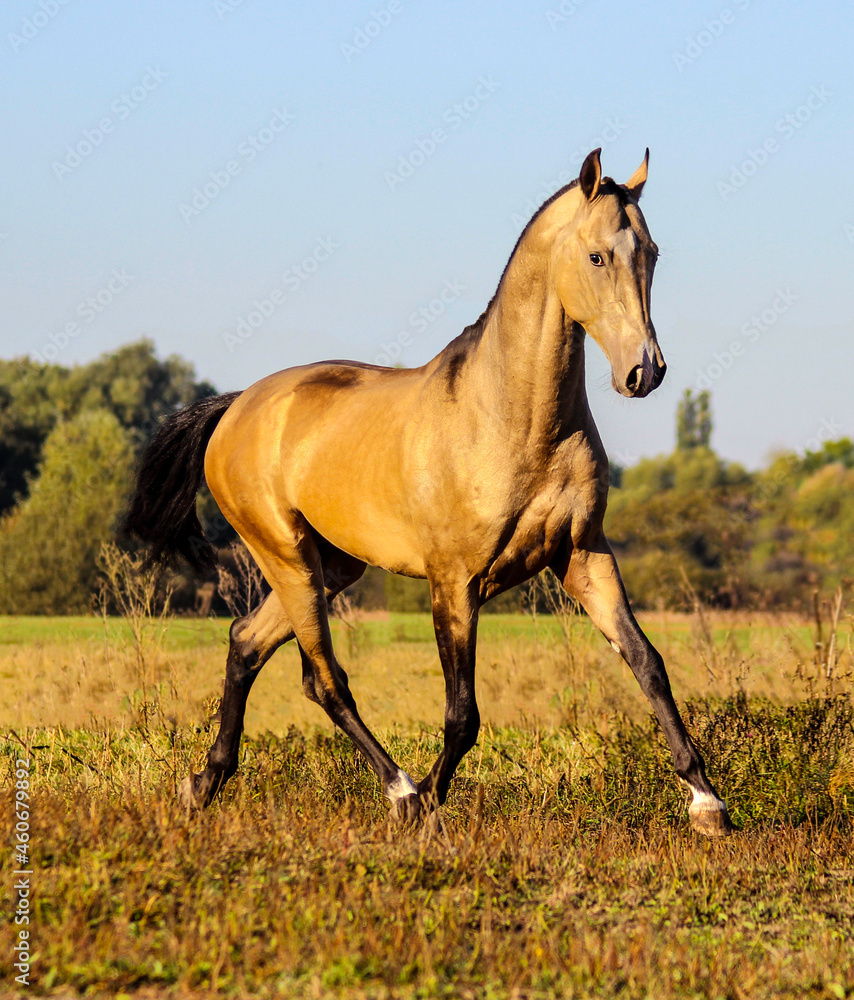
{"points": [[401, 790], [252, 641], [291, 562]]}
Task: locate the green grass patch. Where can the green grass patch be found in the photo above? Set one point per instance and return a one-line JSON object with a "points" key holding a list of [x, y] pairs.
{"points": [[181, 633], [184, 633]]}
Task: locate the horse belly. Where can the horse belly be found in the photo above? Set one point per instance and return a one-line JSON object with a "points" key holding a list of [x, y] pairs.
{"points": [[365, 531]]}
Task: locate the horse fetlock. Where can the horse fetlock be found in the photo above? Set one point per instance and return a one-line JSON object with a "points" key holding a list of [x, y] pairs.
{"points": [[430, 793], [197, 791], [469, 738], [221, 765], [400, 786], [405, 801], [190, 794], [691, 769], [406, 811]]}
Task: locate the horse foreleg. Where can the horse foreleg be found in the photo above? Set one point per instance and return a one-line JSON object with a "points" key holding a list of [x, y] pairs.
{"points": [[591, 575], [455, 622]]}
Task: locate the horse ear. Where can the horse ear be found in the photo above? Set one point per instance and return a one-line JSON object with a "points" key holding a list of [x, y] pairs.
{"points": [[636, 182], [591, 175]]}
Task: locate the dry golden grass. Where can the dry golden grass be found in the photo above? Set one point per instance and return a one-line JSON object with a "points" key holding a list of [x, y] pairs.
{"points": [[562, 864], [559, 869], [76, 672]]}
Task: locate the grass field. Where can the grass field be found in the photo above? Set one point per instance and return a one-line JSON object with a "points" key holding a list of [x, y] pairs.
{"points": [[562, 864], [541, 671]]}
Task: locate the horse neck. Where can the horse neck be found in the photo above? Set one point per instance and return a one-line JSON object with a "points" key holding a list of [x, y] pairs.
{"points": [[532, 356]]}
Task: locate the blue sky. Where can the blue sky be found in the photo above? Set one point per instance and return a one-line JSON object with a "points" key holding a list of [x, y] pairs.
{"points": [[256, 185]]}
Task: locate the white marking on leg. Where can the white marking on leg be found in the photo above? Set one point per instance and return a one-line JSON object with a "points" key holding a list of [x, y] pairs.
{"points": [[402, 786], [616, 647], [704, 802]]}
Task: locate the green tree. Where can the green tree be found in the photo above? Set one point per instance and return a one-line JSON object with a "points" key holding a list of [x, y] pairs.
{"points": [[839, 452], [694, 421], [27, 415], [698, 535], [49, 542], [803, 509], [680, 522], [131, 383]]}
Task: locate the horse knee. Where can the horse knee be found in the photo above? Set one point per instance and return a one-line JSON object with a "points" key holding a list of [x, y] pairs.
{"points": [[689, 765]]}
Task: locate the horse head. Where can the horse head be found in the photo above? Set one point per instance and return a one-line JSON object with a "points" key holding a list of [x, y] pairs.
{"points": [[603, 261]]}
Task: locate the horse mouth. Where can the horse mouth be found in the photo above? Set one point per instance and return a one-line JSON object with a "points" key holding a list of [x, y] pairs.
{"points": [[641, 380]]}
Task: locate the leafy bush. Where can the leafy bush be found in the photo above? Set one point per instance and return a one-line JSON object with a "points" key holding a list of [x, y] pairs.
{"points": [[50, 542]]}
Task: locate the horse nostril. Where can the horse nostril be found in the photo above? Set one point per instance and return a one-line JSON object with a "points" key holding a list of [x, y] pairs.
{"points": [[633, 382]]}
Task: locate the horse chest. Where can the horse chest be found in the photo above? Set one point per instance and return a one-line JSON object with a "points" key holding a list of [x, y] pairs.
{"points": [[561, 506]]}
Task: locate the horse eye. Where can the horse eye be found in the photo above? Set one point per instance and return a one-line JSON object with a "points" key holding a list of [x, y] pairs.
{"points": [[596, 260]]}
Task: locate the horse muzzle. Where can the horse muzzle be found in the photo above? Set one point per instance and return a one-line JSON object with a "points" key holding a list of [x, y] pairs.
{"points": [[643, 378]]}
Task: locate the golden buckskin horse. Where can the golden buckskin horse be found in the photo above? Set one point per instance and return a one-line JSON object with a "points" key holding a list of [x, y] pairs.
{"points": [[477, 471]]}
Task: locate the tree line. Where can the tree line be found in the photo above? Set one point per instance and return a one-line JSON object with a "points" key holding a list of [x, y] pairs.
{"points": [[69, 441], [687, 527], [690, 526]]}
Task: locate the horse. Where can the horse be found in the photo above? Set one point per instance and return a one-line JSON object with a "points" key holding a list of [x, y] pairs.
{"points": [[475, 471]]}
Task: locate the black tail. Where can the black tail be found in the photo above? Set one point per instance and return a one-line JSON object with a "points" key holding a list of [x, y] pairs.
{"points": [[162, 510]]}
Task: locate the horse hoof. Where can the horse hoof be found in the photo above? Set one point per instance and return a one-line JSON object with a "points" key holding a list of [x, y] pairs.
{"points": [[710, 820], [406, 811], [188, 794]]}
